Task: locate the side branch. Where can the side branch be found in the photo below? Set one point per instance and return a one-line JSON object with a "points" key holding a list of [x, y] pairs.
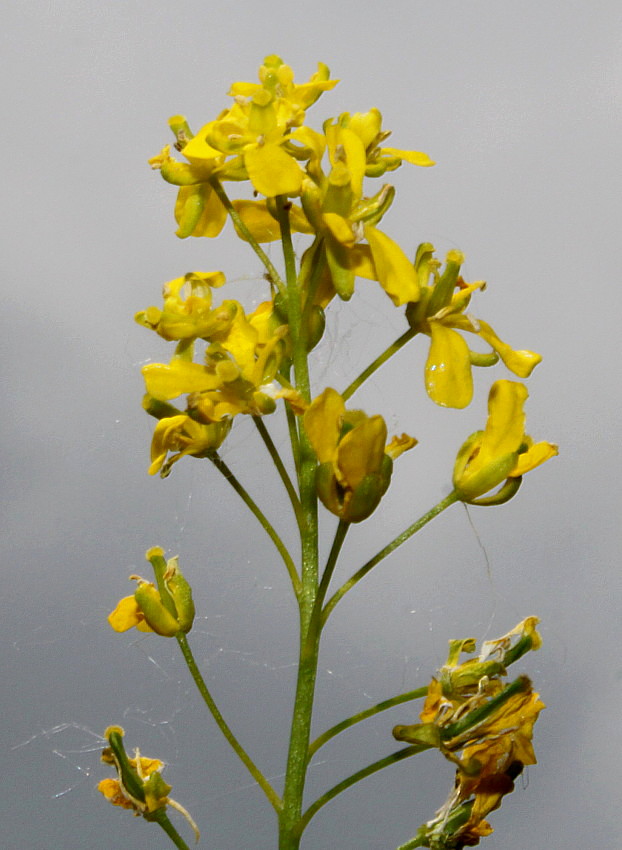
{"points": [[278, 462], [419, 693], [248, 236], [222, 467], [377, 363], [390, 547], [399, 755], [244, 757]]}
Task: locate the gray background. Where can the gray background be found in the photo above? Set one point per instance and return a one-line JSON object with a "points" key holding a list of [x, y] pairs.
{"points": [[519, 103]]}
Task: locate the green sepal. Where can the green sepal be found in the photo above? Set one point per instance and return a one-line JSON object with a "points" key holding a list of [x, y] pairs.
{"points": [[365, 499], [444, 287], [157, 617], [311, 198], [181, 593], [455, 682], [156, 793], [422, 734], [486, 358], [327, 488], [159, 409], [371, 210], [316, 326], [193, 210], [489, 477], [342, 276]]}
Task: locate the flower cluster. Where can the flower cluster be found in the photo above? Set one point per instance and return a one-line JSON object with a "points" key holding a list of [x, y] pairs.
{"points": [[230, 361], [241, 357], [483, 726]]}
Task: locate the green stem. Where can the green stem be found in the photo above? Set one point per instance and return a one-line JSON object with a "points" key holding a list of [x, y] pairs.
{"points": [[222, 467], [329, 795], [340, 536], [161, 818], [254, 771], [292, 427], [417, 841], [297, 762], [390, 547], [278, 462], [377, 363], [248, 236], [419, 693]]}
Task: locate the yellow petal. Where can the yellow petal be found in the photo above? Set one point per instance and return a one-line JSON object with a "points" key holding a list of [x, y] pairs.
{"points": [[263, 226], [126, 615], [414, 157], [355, 158], [399, 445], [361, 262], [448, 379], [167, 381], [240, 342], [198, 151], [111, 789], [366, 125], [505, 428], [522, 363], [534, 456], [361, 451], [487, 457], [272, 171], [396, 273], [316, 142], [340, 228], [322, 423]]}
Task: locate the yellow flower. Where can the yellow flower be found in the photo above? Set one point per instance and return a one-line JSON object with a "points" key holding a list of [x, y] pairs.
{"points": [[187, 310], [250, 140], [236, 377], [166, 609], [187, 437], [139, 786], [354, 464], [198, 210], [378, 159], [500, 453], [343, 217], [337, 209], [278, 78], [440, 313]]}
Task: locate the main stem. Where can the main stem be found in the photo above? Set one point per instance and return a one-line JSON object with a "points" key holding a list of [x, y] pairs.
{"points": [[290, 823]]}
